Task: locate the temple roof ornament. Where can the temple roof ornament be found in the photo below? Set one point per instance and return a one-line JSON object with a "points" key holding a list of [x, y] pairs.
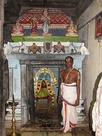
{"points": [[40, 22], [45, 48]]}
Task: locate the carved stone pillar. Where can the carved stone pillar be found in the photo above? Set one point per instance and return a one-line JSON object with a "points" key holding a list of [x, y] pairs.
{"points": [[2, 98], [10, 83], [30, 92], [2, 101], [24, 96], [14, 89]]}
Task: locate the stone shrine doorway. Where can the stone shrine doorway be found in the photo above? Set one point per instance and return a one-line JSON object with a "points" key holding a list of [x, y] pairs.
{"points": [[46, 107]]}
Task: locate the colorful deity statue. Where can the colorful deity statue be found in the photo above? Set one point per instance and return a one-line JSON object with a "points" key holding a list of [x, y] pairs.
{"points": [[44, 91], [17, 29], [71, 29], [34, 24], [46, 21]]}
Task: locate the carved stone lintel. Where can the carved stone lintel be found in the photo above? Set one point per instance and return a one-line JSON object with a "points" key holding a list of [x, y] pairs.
{"points": [[44, 62]]}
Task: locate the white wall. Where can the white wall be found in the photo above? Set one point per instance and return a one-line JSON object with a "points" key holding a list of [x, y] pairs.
{"points": [[92, 65]]}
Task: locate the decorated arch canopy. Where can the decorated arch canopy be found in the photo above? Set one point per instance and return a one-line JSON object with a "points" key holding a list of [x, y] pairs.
{"points": [[57, 17]]}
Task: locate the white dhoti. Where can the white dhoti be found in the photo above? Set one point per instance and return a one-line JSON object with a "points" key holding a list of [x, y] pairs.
{"points": [[69, 114]]}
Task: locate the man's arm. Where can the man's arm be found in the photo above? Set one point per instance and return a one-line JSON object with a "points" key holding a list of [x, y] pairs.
{"points": [[78, 89], [59, 90]]}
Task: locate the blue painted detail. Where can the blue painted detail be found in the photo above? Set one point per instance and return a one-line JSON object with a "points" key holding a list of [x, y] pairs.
{"points": [[54, 32]]}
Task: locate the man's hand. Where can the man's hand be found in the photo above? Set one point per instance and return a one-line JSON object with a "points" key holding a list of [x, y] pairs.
{"points": [[77, 102], [59, 100]]}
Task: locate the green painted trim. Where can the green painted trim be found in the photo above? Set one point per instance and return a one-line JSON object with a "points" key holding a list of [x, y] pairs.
{"points": [[45, 38]]}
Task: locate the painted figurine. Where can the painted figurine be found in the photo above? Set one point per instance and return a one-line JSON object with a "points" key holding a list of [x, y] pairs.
{"points": [[46, 21], [18, 29]]}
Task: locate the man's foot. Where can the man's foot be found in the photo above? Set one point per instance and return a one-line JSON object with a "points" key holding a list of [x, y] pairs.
{"points": [[61, 129], [74, 132]]}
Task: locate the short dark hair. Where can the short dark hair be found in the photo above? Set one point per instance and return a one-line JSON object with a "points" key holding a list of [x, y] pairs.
{"points": [[69, 57]]}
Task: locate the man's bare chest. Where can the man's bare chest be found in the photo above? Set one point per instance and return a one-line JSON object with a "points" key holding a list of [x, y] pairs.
{"points": [[69, 77]]}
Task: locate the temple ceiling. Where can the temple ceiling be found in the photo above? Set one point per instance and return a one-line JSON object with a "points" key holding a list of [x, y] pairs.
{"points": [[73, 8]]}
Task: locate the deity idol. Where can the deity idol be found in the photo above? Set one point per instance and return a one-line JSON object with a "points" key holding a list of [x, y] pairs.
{"points": [[46, 21], [17, 29]]}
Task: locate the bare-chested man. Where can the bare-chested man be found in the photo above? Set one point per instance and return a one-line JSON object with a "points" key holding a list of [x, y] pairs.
{"points": [[69, 93]]}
